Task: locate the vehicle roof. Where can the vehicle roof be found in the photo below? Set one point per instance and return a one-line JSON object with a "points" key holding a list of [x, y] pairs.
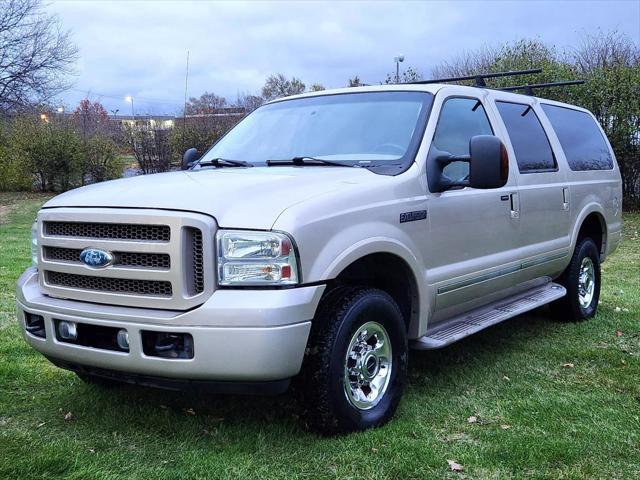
{"points": [[434, 88]]}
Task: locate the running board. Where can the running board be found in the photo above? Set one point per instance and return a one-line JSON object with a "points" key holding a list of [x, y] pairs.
{"points": [[473, 321]]}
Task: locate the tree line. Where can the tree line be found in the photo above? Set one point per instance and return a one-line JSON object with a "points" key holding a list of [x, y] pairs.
{"points": [[40, 148]]}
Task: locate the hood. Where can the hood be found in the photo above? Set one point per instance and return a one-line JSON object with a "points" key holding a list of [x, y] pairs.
{"points": [[236, 197]]}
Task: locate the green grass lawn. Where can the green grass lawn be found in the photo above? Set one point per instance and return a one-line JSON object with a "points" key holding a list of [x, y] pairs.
{"points": [[552, 400]]}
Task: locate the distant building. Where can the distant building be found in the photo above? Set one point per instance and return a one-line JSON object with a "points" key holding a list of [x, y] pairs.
{"points": [[163, 122]]}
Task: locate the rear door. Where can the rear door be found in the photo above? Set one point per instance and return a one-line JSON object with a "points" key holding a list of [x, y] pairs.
{"points": [[544, 200]]}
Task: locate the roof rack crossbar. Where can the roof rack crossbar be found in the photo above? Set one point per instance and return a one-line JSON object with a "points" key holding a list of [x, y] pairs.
{"points": [[528, 89], [480, 78]]}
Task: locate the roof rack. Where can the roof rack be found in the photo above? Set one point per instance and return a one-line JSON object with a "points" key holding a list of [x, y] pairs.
{"points": [[528, 89], [480, 78]]}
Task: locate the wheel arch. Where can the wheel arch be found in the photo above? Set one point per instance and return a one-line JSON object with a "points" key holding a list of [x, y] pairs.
{"points": [[591, 223], [389, 271]]}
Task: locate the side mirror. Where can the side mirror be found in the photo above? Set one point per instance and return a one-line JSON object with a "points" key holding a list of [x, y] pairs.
{"points": [[189, 157], [488, 165]]}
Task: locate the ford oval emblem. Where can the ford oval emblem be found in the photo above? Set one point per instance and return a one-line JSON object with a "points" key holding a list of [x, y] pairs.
{"points": [[96, 258]]}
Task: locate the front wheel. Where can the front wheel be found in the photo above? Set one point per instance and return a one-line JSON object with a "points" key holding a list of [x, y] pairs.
{"points": [[356, 365], [582, 281]]}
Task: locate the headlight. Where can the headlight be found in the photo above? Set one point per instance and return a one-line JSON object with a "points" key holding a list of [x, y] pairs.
{"points": [[256, 258], [34, 244]]}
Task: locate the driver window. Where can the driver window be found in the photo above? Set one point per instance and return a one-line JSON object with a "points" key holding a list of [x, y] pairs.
{"points": [[460, 119]]}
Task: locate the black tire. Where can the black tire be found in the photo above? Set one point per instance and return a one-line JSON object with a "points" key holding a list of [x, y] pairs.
{"points": [[325, 403], [99, 381], [569, 308]]}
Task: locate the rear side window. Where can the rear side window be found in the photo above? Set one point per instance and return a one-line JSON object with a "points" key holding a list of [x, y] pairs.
{"points": [[581, 139], [460, 119], [530, 142]]}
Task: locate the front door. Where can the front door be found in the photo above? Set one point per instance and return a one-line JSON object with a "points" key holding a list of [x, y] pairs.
{"points": [[473, 234]]}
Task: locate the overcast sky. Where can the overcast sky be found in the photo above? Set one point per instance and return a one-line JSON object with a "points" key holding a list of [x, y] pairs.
{"points": [[140, 48]]}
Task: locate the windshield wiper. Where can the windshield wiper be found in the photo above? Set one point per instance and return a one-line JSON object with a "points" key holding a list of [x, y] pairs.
{"points": [[224, 162], [300, 161]]}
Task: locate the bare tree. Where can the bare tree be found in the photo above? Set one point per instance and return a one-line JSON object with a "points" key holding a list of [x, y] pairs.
{"points": [[150, 145], [355, 82], [36, 55], [278, 85], [603, 50], [91, 118], [207, 103], [408, 76], [249, 102]]}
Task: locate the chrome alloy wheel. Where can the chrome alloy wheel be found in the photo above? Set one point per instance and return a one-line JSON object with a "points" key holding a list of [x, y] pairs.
{"points": [[586, 282], [367, 367]]}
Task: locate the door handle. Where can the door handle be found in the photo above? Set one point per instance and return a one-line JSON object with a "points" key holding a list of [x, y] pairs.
{"points": [[565, 198], [515, 205]]}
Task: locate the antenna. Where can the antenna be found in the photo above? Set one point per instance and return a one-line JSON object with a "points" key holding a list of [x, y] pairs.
{"points": [[480, 78], [184, 112], [528, 89]]}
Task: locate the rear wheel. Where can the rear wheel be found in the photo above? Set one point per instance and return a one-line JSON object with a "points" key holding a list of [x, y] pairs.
{"points": [[356, 365], [582, 281]]}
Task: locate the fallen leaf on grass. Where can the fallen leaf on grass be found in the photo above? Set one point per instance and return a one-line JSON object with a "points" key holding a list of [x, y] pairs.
{"points": [[455, 466], [68, 416], [472, 419], [458, 437], [568, 365]]}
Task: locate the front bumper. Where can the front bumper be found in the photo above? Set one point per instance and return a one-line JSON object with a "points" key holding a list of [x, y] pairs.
{"points": [[238, 335]]}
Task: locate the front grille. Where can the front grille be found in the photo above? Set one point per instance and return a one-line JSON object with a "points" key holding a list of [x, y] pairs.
{"points": [[122, 259], [161, 259], [152, 288], [198, 263], [147, 260], [111, 231]]}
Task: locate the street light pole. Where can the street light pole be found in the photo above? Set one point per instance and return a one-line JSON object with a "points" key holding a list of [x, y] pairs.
{"points": [[398, 60], [129, 99]]}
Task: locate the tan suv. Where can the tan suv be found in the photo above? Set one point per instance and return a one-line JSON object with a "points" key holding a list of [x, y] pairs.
{"points": [[321, 238]]}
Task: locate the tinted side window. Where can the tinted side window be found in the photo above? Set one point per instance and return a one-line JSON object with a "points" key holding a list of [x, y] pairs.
{"points": [[460, 119], [530, 142], [581, 139]]}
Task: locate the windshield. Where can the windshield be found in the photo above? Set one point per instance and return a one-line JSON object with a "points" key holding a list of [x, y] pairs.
{"points": [[366, 129]]}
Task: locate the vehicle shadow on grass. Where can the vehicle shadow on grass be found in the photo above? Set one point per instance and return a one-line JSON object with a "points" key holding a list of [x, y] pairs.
{"points": [[200, 413]]}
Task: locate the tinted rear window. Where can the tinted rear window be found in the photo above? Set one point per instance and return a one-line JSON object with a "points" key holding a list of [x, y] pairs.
{"points": [[581, 139], [530, 142]]}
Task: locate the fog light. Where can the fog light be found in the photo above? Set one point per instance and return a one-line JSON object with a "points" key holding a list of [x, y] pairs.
{"points": [[68, 330], [123, 339], [34, 324], [167, 345]]}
